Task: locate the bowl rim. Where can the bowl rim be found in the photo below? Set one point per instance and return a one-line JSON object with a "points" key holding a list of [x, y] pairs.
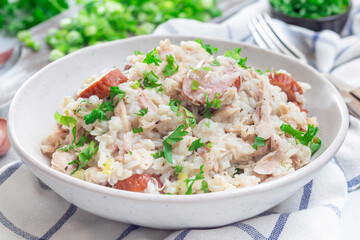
{"points": [[310, 20], [314, 165]]}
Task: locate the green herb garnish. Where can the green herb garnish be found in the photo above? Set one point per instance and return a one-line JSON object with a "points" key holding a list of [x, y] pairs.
{"points": [[304, 138], [210, 49], [152, 57], [150, 80], [85, 156], [190, 182], [189, 119], [177, 169], [171, 67], [116, 91], [137, 130], [136, 52], [209, 145], [215, 63], [195, 85], [72, 146], [142, 112], [173, 138], [196, 144], [259, 141], [235, 54], [158, 154], [238, 171], [136, 84], [99, 113], [65, 120]]}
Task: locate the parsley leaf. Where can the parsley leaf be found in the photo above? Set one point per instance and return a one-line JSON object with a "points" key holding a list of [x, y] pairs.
{"points": [[160, 89], [99, 113], [189, 119], [71, 146], [152, 57], [235, 54], [177, 169], [207, 124], [116, 91], [259, 71], [158, 154], [85, 156], [173, 138], [204, 186], [150, 79], [138, 130], [206, 69], [209, 145], [216, 103], [196, 144], [174, 105], [210, 49], [215, 63], [136, 52], [142, 112], [195, 84], [304, 138], [65, 120], [259, 141], [170, 68], [190, 181], [136, 84], [238, 171]]}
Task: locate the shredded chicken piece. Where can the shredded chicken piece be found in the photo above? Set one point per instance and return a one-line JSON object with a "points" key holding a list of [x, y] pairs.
{"points": [[54, 140], [145, 102], [120, 111], [263, 127], [60, 162], [270, 162]]}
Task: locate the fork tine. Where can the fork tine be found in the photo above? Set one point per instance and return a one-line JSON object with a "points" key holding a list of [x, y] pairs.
{"points": [[259, 41], [294, 50], [262, 33], [272, 37]]}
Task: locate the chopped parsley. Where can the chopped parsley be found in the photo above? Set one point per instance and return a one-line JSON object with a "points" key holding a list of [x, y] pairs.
{"points": [[152, 57], [160, 89], [171, 67], [215, 63], [259, 141], [142, 112], [136, 84], [207, 124], [177, 169], [206, 69], [195, 84], [238, 171], [175, 105], [190, 182], [85, 156], [189, 118], [216, 103], [136, 52], [158, 154], [235, 54], [304, 138], [196, 144], [137, 130], [210, 49], [99, 113], [71, 146], [259, 71], [150, 80], [116, 91], [209, 145], [65, 120], [173, 138]]}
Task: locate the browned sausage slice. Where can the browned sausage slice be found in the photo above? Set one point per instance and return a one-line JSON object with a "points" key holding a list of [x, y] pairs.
{"points": [[101, 87], [137, 182], [287, 84]]}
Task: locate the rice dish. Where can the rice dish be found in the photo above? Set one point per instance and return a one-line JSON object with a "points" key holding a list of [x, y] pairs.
{"points": [[181, 120]]}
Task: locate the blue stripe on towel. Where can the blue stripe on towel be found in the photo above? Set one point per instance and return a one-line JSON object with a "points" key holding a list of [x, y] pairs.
{"points": [[339, 165], [279, 226], [182, 235], [253, 232], [71, 210], [245, 38], [9, 225], [127, 232], [9, 171], [305, 199], [353, 182], [314, 40], [352, 21], [228, 28]]}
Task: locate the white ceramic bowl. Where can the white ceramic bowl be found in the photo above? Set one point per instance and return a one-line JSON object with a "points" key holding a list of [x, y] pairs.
{"points": [[31, 119]]}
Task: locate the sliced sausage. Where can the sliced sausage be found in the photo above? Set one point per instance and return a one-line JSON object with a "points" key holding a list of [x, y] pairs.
{"points": [[138, 182], [287, 84], [101, 87]]}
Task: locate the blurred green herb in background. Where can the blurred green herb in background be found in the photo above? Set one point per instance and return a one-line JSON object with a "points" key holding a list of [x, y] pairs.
{"points": [[108, 20], [310, 8]]}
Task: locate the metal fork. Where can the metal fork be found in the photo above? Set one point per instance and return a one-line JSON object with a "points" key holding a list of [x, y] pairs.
{"points": [[267, 36]]}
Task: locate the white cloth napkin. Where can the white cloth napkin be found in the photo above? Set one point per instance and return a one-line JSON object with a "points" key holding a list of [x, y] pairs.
{"points": [[30, 210]]}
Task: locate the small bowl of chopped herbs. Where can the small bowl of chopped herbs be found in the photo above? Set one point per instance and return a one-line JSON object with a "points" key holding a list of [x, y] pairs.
{"points": [[316, 15]]}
